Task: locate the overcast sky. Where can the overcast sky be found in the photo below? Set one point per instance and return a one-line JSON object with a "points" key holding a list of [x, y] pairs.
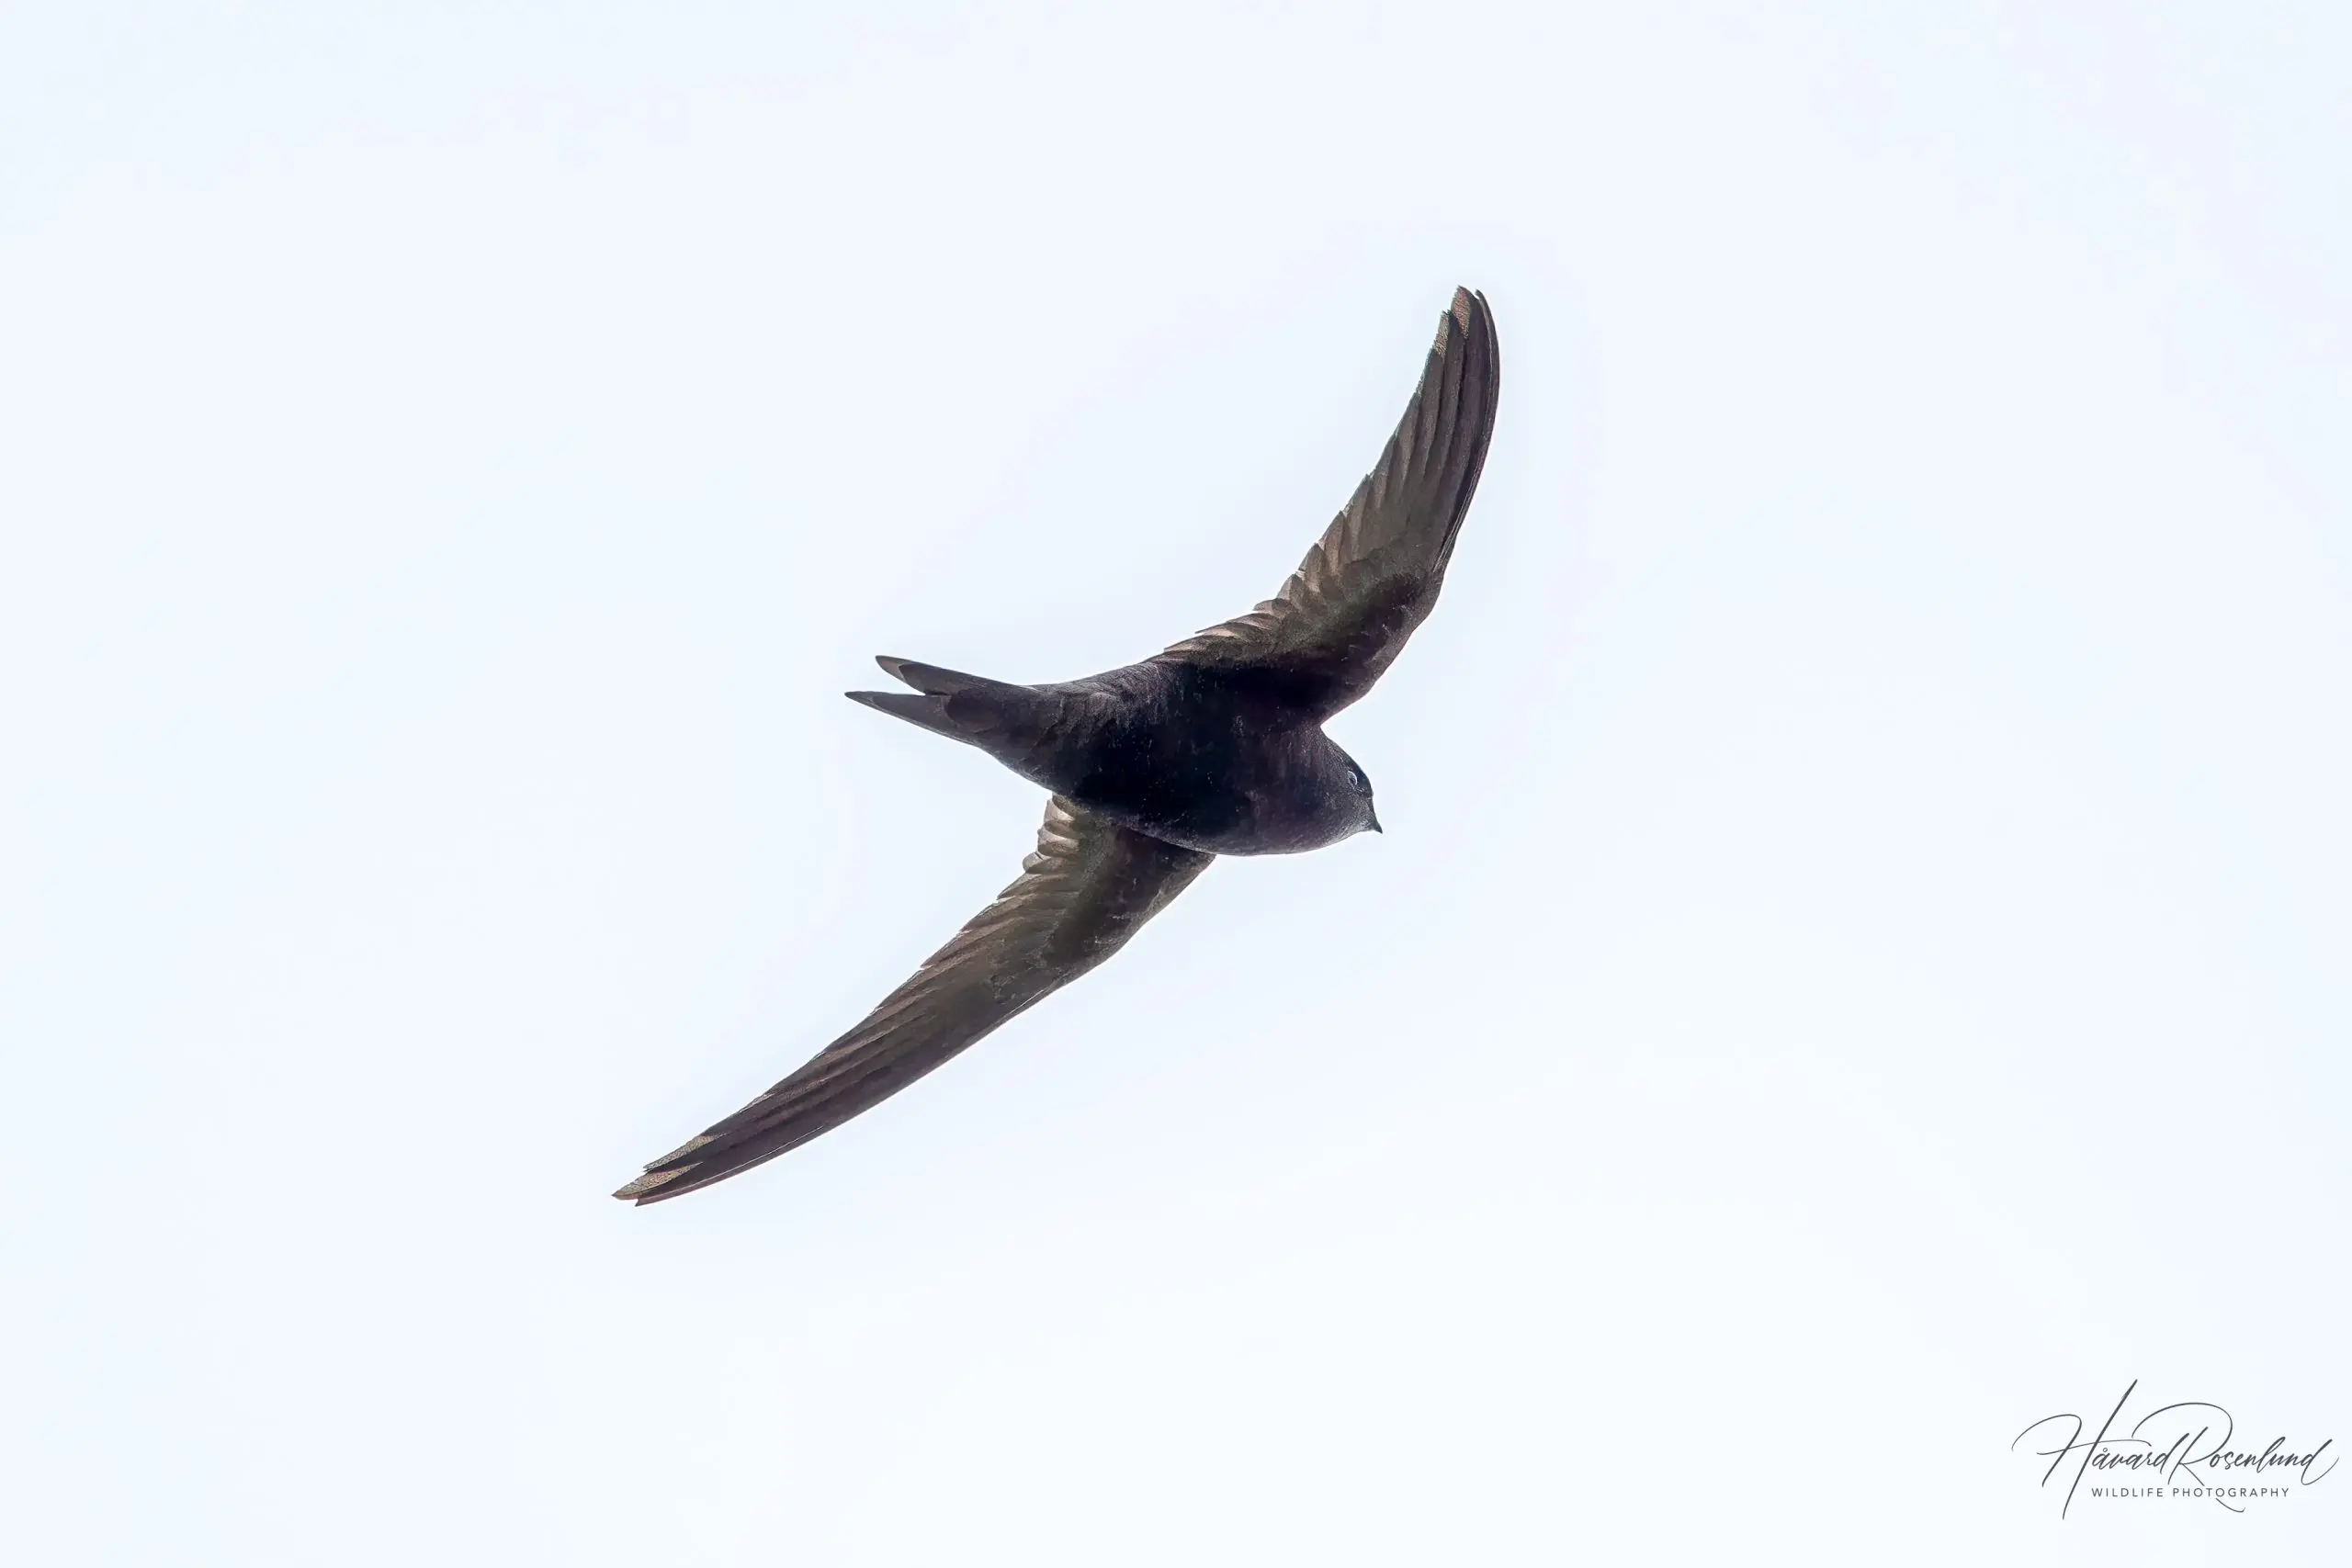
{"points": [[1857, 962]]}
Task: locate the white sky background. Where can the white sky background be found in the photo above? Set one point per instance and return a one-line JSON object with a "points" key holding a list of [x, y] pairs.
{"points": [[1857, 960]]}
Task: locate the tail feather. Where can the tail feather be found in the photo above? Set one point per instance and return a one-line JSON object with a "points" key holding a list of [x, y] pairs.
{"points": [[934, 682], [931, 712], [1043, 733], [1003, 719]]}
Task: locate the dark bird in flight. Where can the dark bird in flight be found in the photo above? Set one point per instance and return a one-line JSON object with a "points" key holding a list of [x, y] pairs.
{"points": [[1213, 748]]}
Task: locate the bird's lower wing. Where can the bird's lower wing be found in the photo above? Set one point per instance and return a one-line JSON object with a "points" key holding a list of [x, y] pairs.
{"points": [[1084, 891]]}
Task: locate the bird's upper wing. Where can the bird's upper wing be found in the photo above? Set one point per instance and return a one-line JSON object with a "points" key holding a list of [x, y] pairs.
{"points": [[1084, 891], [1344, 615]]}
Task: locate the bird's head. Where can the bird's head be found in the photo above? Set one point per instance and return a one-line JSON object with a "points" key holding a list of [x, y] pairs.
{"points": [[1351, 793]]}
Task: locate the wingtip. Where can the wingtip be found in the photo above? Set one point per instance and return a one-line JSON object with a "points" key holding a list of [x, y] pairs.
{"points": [[646, 1188], [1466, 306], [1469, 323], [642, 1190]]}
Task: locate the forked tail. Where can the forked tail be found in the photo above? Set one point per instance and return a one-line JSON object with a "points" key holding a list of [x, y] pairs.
{"points": [[1013, 724]]}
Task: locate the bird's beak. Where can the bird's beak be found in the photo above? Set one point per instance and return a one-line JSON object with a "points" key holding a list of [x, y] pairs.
{"points": [[1375, 824]]}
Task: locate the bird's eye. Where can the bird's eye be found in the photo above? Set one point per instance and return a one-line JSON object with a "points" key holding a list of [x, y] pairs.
{"points": [[1361, 785]]}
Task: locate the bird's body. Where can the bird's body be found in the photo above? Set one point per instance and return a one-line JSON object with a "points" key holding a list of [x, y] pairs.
{"points": [[1215, 746], [1204, 758]]}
